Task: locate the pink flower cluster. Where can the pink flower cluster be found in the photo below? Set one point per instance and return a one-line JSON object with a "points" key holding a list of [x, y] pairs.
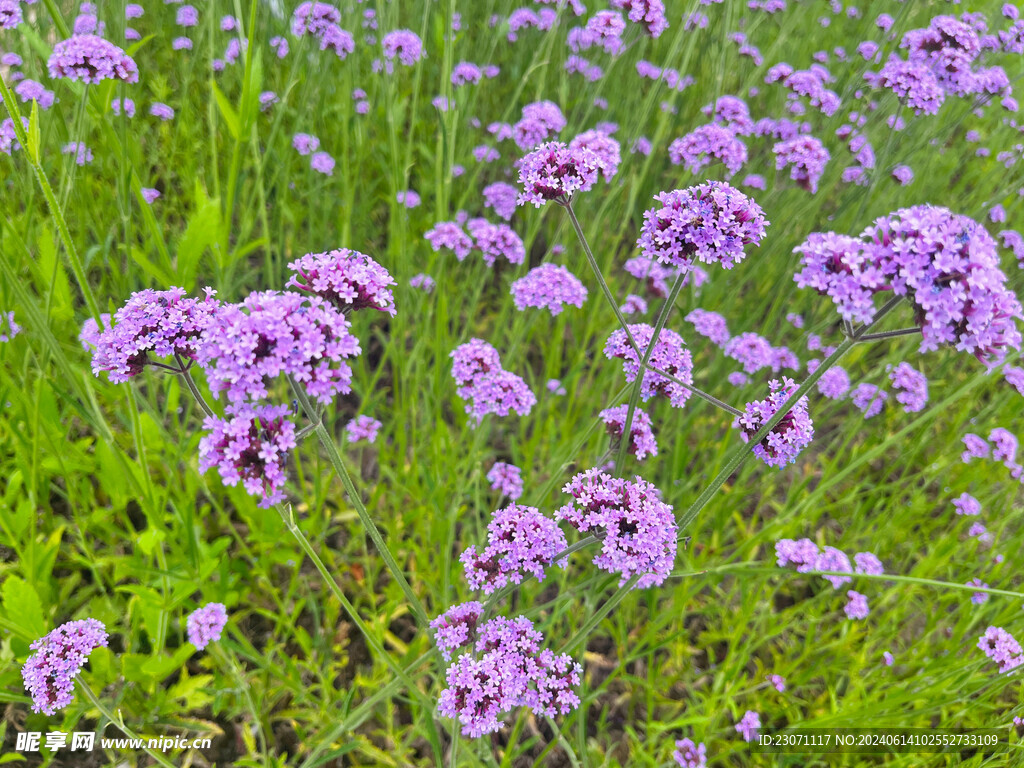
{"points": [[549, 286], [521, 541], [486, 386]]}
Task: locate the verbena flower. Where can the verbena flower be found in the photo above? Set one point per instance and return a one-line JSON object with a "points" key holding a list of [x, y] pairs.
{"points": [[789, 436], [540, 121], [778, 682], [506, 479], [502, 198], [49, 673], [404, 45], [549, 286], [803, 553], [604, 147], [456, 628], [834, 383], [1002, 647], [806, 157], [152, 324], [128, 105], [649, 13], [274, 333], [690, 755], [348, 279], [449, 234], [711, 223], [83, 155], [911, 387], [10, 14], [305, 144], [751, 350], [521, 542], [422, 281], [967, 505], [161, 111], [205, 625], [496, 240], [638, 529], [556, 172], [641, 438], [914, 84], [749, 725], [8, 327], [322, 162], [250, 446], [32, 90], [707, 144], [508, 670], [669, 355], [91, 59], [856, 606], [486, 386], [869, 399], [363, 427]]}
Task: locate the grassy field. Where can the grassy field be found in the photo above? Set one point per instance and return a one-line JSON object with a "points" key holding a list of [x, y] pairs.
{"points": [[104, 512]]}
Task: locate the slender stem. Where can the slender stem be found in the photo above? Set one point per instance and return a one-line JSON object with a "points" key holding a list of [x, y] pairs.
{"points": [[889, 334], [190, 382], [625, 326], [598, 616], [119, 722], [634, 397], [289, 520], [229, 660], [371, 528], [564, 742], [743, 452], [51, 200]]}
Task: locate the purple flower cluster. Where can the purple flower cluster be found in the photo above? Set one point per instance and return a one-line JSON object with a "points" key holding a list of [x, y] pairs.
{"points": [[806, 157], [911, 387], [456, 628], [710, 325], [641, 438], [49, 673], [690, 755], [749, 725], [347, 279], [91, 59], [1002, 647], [8, 327], [274, 333], [945, 264], [554, 171], [607, 150], [250, 446], [540, 121], [321, 22], [638, 530], [506, 479], [363, 427], [206, 624], [502, 198], [706, 144], [549, 286], [151, 323], [486, 386], [521, 541], [403, 44], [710, 222], [869, 399], [508, 670], [450, 235], [496, 240], [789, 436], [913, 83], [669, 355], [649, 13]]}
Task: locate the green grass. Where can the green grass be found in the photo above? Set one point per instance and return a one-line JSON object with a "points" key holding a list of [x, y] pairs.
{"points": [[103, 512]]}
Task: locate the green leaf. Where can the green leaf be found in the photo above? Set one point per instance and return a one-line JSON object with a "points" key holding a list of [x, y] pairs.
{"points": [[201, 233], [226, 110], [33, 132], [22, 606], [151, 269]]}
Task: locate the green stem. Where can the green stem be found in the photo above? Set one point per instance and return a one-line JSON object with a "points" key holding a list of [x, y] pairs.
{"points": [[289, 520], [595, 267], [119, 722], [371, 528], [634, 396], [51, 200]]}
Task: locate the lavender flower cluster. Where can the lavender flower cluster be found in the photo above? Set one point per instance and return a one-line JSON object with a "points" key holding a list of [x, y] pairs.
{"points": [[49, 673], [487, 386]]}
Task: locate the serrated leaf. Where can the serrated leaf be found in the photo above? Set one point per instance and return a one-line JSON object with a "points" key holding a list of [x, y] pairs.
{"points": [[226, 110]]}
